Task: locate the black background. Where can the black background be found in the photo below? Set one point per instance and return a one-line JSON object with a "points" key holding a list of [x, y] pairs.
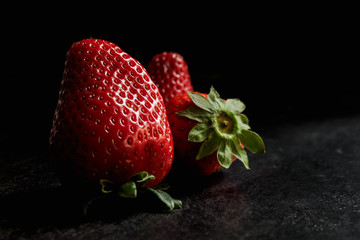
{"points": [[288, 65]]}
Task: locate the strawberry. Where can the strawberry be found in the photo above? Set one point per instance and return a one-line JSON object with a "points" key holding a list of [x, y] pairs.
{"points": [[110, 123], [209, 132], [169, 72]]}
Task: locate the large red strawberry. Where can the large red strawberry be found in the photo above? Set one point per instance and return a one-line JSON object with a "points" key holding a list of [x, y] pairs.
{"points": [[169, 72], [110, 123], [209, 132]]}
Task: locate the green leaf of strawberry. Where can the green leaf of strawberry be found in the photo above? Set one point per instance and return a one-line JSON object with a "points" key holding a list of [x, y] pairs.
{"points": [[239, 152], [235, 105], [202, 102], [221, 127], [132, 189], [224, 154], [208, 146], [196, 114], [252, 141], [128, 190], [166, 198], [199, 133]]}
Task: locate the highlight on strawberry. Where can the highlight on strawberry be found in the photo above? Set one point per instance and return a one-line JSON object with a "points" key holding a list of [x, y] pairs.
{"points": [[210, 133], [110, 124]]}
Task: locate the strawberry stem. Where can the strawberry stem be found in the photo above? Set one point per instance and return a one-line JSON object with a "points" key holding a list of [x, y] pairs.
{"points": [[221, 127], [132, 189], [225, 123]]}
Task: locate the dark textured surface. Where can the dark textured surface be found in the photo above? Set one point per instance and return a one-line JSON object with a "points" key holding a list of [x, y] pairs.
{"points": [[307, 186]]}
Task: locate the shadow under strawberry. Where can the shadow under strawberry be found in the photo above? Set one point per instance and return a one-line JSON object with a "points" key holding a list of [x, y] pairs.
{"points": [[60, 208], [183, 185]]}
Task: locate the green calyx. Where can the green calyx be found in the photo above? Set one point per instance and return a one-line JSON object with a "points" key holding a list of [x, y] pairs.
{"points": [[221, 127], [132, 189]]}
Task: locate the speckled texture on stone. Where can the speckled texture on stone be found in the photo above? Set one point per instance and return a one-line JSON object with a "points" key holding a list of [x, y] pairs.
{"points": [[307, 186]]}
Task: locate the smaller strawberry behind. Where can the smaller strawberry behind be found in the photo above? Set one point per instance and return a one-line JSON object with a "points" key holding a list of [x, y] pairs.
{"points": [[170, 73], [210, 133]]}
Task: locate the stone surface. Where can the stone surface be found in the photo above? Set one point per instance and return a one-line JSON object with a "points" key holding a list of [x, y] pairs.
{"points": [[306, 186]]}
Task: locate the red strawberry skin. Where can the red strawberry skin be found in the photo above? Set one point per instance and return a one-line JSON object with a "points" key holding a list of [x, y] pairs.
{"points": [[186, 151], [110, 121], [169, 72]]}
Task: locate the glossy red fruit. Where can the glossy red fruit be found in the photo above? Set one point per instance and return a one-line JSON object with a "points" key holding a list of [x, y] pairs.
{"points": [[110, 121], [169, 72], [209, 132]]}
